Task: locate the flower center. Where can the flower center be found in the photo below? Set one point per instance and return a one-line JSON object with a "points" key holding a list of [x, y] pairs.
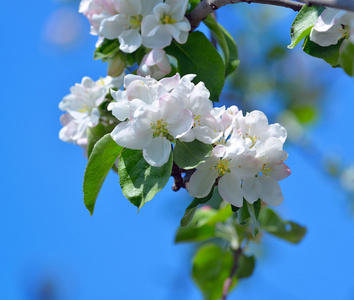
{"points": [[266, 170], [345, 31], [166, 19], [196, 120], [84, 109], [222, 167], [135, 22], [160, 129]]}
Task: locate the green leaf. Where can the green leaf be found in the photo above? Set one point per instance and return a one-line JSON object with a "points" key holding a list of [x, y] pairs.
{"points": [[303, 23], [254, 217], [211, 266], [198, 56], [107, 49], [104, 154], [245, 266], [94, 134], [202, 226], [140, 181], [226, 42], [190, 155], [329, 54], [191, 209], [286, 230], [243, 213], [347, 58]]}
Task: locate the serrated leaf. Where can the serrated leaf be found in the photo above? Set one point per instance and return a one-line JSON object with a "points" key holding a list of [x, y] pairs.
{"points": [[347, 58], [211, 266], [190, 155], [286, 230], [303, 23], [198, 56], [226, 42], [140, 181], [104, 154], [191, 209], [107, 49]]}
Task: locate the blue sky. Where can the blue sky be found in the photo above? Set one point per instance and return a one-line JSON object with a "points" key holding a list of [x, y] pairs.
{"points": [[47, 237]]}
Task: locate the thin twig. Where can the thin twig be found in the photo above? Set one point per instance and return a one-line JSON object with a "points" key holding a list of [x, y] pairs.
{"points": [[228, 280]]}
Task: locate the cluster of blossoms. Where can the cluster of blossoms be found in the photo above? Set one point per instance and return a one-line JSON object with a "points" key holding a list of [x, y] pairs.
{"points": [[81, 107], [149, 23], [331, 26], [247, 160]]}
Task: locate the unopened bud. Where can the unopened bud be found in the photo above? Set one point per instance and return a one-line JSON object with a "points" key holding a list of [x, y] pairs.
{"points": [[116, 65]]}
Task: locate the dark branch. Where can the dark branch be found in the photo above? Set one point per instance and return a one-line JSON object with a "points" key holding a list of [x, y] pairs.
{"points": [[177, 176], [340, 4], [228, 280], [205, 7]]}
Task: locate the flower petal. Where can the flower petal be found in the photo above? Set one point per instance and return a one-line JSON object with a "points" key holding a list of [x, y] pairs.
{"points": [[202, 182], [157, 152], [271, 191], [229, 187]]}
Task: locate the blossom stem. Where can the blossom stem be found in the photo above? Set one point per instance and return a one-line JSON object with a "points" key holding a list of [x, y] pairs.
{"points": [[228, 280]]}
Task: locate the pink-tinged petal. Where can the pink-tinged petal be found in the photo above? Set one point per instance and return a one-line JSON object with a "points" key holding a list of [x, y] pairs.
{"points": [[112, 27], [170, 82], [157, 152], [271, 191], [125, 136], [130, 40], [251, 189], [201, 182], [229, 187], [279, 171], [155, 56]]}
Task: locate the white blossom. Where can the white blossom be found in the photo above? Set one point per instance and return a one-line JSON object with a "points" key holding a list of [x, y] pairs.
{"points": [[167, 22], [125, 25], [331, 26], [152, 129], [81, 107]]}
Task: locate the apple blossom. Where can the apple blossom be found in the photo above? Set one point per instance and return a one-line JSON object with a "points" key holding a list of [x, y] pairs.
{"points": [[81, 106], [331, 26], [126, 24], [167, 22], [152, 129], [228, 168]]}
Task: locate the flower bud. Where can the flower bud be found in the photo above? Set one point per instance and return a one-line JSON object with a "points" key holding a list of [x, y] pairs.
{"points": [[116, 65]]}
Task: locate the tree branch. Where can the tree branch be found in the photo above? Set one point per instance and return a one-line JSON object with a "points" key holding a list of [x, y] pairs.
{"points": [[205, 7], [340, 4], [228, 280]]}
